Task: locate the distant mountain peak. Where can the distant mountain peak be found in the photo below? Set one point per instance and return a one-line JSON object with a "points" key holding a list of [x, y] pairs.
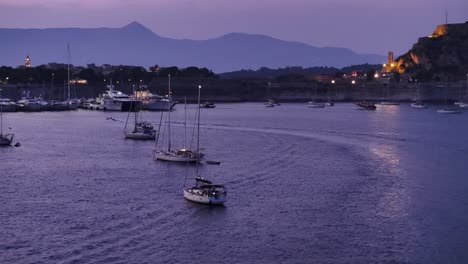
{"points": [[136, 26]]}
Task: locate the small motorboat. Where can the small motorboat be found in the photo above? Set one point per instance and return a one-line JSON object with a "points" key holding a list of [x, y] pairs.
{"points": [[269, 104], [364, 105], [330, 103]]}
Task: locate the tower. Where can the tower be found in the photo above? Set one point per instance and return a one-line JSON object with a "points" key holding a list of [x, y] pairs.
{"points": [[390, 58], [27, 62]]}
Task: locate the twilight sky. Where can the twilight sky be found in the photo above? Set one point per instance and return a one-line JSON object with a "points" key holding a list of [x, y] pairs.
{"points": [[365, 26]]}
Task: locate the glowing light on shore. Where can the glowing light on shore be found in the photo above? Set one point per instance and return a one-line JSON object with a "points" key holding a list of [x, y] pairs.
{"points": [[333, 81], [353, 82]]}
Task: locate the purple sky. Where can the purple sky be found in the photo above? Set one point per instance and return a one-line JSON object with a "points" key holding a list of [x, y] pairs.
{"points": [[366, 26]]}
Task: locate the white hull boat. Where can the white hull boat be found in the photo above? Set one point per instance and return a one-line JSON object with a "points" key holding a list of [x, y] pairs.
{"points": [[316, 105], [418, 105], [463, 105], [176, 156], [449, 111], [205, 195]]}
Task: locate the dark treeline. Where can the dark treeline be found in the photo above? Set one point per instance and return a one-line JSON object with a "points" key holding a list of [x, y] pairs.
{"points": [[299, 71], [58, 73]]}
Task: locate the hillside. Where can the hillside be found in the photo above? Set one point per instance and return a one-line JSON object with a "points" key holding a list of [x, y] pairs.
{"points": [[442, 54], [134, 44]]}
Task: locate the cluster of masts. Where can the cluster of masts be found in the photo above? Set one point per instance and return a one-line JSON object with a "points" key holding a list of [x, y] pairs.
{"points": [[204, 191]]}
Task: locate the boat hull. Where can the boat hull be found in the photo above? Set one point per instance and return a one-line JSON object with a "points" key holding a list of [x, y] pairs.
{"points": [[165, 156], [389, 103], [418, 106], [197, 197], [6, 140], [446, 111], [316, 105], [139, 136]]}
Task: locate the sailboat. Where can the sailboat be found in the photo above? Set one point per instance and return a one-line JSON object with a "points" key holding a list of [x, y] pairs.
{"points": [[70, 105], [204, 191], [418, 104], [315, 104], [5, 139], [182, 155], [385, 102], [142, 130], [449, 109]]}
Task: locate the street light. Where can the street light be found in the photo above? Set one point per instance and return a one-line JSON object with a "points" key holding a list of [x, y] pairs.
{"points": [[333, 81], [353, 82]]}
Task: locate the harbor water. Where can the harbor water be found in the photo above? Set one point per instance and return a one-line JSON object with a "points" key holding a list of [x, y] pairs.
{"points": [[332, 185]]}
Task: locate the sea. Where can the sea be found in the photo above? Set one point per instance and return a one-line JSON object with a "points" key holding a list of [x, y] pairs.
{"points": [[331, 185]]}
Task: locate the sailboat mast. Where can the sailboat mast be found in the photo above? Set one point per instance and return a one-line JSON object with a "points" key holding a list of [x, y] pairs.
{"points": [[185, 122], [169, 116], [68, 73], [198, 128], [1, 115], [135, 105]]}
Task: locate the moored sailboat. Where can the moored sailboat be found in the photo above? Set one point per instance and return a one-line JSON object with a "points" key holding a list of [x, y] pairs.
{"points": [[5, 139], [182, 155], [204, 191]]}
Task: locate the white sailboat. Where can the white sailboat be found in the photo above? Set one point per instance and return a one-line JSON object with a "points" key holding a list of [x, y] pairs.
{"points": [[182, 155], [5, 139], [449, 109], [204, 191], [418, 104], [142, 130]]}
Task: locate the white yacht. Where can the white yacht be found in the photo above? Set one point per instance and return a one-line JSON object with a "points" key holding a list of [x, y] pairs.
{"points": [[113, 100], [154, 102]]}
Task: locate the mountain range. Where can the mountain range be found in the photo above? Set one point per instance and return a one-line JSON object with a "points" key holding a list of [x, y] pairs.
{"points": [[135, 44]]}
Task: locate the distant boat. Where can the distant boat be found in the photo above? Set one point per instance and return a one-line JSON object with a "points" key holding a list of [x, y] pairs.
{"points": [[204, 191], [449, 111], [207, 105], [419, 105], [364, 105], [389, 103], [313, 104], [5, 139], [27, 104], [267, 104], [7, 105], [330, 103], [463, 105]]}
